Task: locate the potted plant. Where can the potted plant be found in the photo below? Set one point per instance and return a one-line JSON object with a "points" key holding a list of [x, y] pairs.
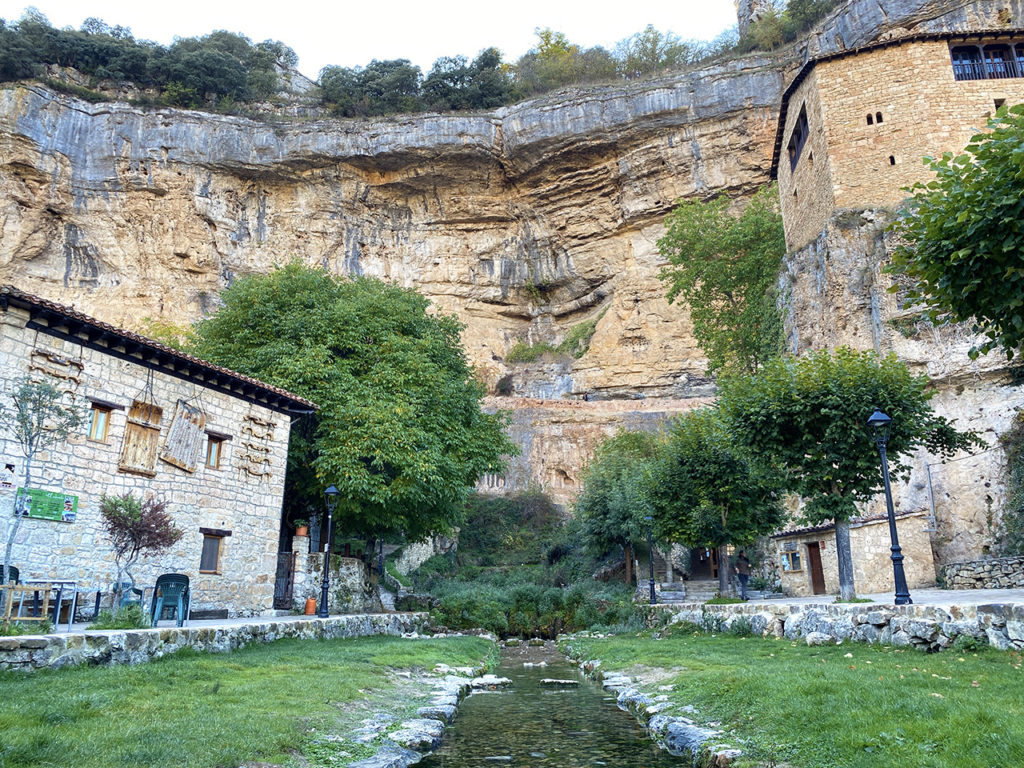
{"points": [[301, 527]]}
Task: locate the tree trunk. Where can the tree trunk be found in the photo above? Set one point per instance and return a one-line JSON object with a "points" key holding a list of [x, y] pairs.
{"points": [[723, 571], [17, 520], [843, 554], [627, 550]]}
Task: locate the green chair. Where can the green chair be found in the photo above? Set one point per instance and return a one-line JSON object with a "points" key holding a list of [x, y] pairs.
{"points": [[130, 595], [171, 594]]}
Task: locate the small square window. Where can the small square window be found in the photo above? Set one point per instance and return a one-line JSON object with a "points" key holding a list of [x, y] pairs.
{"points": [[791, 562], [209, 560], [99, 422], [214, 447]]}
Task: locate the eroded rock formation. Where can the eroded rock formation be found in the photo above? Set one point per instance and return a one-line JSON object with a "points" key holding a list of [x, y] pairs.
{"points": [[524, 222]]}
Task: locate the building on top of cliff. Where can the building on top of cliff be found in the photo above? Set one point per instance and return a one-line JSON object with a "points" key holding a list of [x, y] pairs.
{"points": [[160, 423], [855, 125]]}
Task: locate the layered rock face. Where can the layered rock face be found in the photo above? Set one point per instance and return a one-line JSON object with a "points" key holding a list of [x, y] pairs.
{"points": [[525, 222]]}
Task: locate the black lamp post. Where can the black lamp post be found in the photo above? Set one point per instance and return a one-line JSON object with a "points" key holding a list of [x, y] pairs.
{"points": [[650, 557], [331, 498], [879, 423]]}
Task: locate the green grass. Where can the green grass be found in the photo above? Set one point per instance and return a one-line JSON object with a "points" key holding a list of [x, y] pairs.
{"points": [[270, 703], [819, 708]]}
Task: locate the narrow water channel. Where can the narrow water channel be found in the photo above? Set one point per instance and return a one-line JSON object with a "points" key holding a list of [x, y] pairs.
{"points": [[529, 725]]}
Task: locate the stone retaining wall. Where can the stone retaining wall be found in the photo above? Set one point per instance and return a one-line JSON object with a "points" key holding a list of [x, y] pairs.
{"points": [[991, 573], [30, 652], [927, 627]]}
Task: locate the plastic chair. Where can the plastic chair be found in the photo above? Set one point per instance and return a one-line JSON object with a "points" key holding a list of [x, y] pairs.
{"points": [[171, 593], [12, 574], [127, 596]]}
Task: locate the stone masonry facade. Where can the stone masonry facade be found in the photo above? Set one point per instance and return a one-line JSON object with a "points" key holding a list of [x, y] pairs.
{"points": [[238, 502], [849, 162], [872, 567]]}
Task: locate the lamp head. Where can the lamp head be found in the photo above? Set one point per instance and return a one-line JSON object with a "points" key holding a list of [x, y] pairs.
{"points": [[879, 423], [331, 497]]}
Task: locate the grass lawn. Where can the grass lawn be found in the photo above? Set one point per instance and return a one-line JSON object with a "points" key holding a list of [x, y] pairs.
{"points": [[269, 703], [845, 706]]}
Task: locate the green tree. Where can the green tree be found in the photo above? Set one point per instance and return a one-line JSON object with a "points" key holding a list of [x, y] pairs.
{"points": [[650, 50], [725, 268], [555, 62], [963, 255], [136, 528], [710, 492], [39, 417], [616, 496], [808, 414], [399, 431]]}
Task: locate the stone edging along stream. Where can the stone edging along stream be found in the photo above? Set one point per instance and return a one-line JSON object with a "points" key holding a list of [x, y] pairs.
{"points": [[677, 734], [416, 737]]}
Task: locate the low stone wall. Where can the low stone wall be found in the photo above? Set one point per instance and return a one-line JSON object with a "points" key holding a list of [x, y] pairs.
{"points": [[991, 573], [927, 627], [30, 652]]}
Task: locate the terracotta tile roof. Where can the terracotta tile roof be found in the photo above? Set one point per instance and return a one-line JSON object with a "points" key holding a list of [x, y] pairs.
{"points": [[853, 521], [141, 350], [808, 65]]}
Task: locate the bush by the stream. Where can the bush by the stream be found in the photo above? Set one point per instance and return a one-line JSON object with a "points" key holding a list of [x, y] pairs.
{"points": [[520, 570]]}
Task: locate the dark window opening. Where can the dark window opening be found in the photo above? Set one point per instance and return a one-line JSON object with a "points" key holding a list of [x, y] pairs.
{"points": [[798, 138], [892, 160], [878, 117], [1000, 103], [209, 560], [999, 63], [871, 120], [967, 63]]}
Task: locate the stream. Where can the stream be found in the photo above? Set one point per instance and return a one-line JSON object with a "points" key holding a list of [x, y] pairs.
{"points": [[528, 725]]}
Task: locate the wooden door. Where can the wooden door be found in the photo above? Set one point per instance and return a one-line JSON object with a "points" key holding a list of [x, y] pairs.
{"points": [[814, 564]]}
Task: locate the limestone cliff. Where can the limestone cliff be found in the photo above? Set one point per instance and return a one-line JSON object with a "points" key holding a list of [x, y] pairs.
{"points": [[524, 222]]}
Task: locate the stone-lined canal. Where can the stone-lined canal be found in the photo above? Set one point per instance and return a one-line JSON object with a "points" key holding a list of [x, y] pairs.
{"points": [[530, 725]]}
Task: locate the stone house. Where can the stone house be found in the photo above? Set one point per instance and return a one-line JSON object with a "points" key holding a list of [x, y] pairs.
{"points": [[158, 423], [808, 564], [855, 124]]}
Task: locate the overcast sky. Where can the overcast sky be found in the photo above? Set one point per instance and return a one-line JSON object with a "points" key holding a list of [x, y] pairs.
{"points": [[352, 33]]}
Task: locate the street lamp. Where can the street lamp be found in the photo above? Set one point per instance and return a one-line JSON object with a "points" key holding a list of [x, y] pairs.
{"points": [[331, 499], [879, 423], [650, 556]]}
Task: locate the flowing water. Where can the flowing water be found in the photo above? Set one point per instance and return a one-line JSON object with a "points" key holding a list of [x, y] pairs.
{"points": [[528, 725]]}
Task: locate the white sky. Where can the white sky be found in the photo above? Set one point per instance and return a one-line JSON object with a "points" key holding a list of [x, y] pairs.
{"points": [[352, 33]]}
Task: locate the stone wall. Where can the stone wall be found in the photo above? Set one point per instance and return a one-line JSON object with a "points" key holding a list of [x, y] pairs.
{"points": [[227, 499], [851, 163], [925, 627], [990, 573], [414, 554], [30, 652], [352, 584]]}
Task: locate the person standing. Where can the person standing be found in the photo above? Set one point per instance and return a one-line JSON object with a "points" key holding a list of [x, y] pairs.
{"points": [[742, 569]]}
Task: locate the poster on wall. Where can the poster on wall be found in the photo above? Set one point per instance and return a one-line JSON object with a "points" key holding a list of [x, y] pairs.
{"points": [[7, 476], [48, 505]]}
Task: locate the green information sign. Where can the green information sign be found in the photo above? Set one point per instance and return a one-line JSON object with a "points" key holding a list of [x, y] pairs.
{"points": [[48, 505]]}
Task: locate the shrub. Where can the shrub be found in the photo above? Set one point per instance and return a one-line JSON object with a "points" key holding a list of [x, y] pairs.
{"points": [[740, 627], [125, 617], [968, 644]]}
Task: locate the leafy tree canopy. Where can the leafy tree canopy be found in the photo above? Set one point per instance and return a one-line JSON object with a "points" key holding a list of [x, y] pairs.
{"points": [[725, 268], [399, 432], [964, 236], [616, 498], [709, 490], [809, 413]]}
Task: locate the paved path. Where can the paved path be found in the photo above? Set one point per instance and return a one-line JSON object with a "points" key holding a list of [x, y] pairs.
{"points": [[942, 597]]}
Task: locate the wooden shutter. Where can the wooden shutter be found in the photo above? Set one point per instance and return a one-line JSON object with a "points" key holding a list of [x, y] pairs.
{"points": [[138, 453], [184, 442]]}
